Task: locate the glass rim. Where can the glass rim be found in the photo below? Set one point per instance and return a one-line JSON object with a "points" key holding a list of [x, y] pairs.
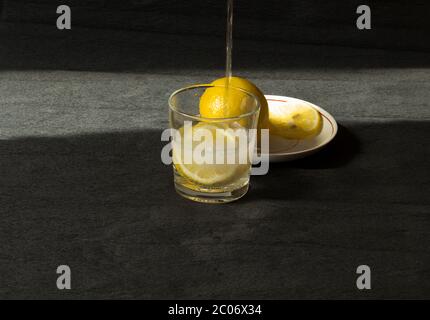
{"points": [[199, 118]]}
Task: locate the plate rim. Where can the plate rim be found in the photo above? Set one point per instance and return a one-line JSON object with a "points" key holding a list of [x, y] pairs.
{"points": [[325, 113]]}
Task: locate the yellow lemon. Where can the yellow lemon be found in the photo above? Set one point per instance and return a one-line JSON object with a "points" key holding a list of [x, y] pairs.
{"points": [[207, 174], [295, 120], [219, 102]]}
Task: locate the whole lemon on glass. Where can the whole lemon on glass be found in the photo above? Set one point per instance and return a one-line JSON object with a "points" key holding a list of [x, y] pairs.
{"points": [[226, 102], [290, 121]]}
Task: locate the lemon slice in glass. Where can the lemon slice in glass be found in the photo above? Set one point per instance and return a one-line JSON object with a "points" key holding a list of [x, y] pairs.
{"points": [[203, 173]]}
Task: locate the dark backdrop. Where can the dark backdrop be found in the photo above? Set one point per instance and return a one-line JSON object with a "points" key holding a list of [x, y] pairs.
{"points": [[81, 182], [396, 24]]}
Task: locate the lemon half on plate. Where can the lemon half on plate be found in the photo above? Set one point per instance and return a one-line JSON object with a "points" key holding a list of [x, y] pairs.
{"points": [[294, 120], [298, 144]]}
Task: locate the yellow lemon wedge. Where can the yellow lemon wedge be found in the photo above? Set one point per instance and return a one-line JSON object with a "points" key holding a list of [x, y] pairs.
{"points": [[219, 102], [205, 174], [295, 120]]}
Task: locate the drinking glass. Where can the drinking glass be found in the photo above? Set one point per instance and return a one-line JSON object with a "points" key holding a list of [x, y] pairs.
{"points": [[212, 157]]}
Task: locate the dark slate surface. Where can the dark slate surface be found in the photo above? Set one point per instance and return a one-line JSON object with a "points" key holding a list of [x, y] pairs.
{"points": [[105, 205], [82, 183]]}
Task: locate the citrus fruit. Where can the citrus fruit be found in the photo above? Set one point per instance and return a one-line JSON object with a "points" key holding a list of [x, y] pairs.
{"points": [[294, 120], [225, 102], [204, 173]]}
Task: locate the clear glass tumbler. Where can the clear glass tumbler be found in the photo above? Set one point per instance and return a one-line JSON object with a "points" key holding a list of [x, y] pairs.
{"points": [[212, 156]]}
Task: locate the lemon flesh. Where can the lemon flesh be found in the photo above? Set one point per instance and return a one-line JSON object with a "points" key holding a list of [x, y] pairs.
{"points": [[208, 174], [294, 120], [226, 102]]}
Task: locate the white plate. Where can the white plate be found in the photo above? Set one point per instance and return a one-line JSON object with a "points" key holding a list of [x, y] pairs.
{"points": [[286, 150]]}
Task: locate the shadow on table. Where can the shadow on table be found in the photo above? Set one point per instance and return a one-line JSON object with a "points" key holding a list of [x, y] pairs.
{"points": [[123, 168], [336, 154], [101, 50], [106, 202], [299, 178], [93, 169], [368, 161]]}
